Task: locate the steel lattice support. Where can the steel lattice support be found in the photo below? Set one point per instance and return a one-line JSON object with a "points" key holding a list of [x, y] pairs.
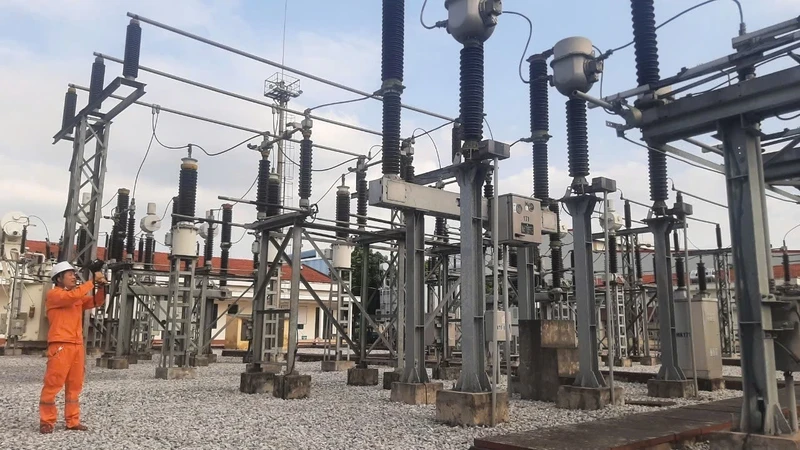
{"points": [[473, 377], [744, 176], [726, 330], [415, 371], [580, 207]]}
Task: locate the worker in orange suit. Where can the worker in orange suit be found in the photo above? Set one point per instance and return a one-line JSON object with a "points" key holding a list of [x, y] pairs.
{"points": [[65, 304]]}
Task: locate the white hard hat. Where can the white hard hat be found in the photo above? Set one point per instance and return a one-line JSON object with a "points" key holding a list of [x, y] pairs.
{"points": [[63, 266]]}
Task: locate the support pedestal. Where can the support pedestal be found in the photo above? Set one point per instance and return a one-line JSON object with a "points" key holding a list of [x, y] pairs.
{"points": [[389, 378], [292, 386], [717, 384], [449, 373], [116, 362], [362, 376], [176, 373], [576, 397], [623, 362], [470, 409], [256, 382], [649, 361], [670, 389], [337, 366], [415, 393], [548, 352]]}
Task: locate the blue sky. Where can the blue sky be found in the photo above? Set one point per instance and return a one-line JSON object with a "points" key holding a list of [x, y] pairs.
{"points": [[45, 45]]}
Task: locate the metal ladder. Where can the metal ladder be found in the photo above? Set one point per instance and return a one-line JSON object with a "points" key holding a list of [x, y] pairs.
{"points": [[622, 330], [179, 312], [274, 315]]}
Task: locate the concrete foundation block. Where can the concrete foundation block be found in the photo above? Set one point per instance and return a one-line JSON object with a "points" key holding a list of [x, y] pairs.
{"points": [[337, 366], [547, 352], [576, 397], [181, 360], [94, 352], [649, 361], [118, 363], [389, 378], [144, 356], [132, 359], [449, 373], [470, 409], [717, 384], [292, 386], [268, 367], [415, 393], [670, 389], [12, 352], [176, 373], [362, 376], [623, 362], [212, 358], [730, 440], [256, 382]]}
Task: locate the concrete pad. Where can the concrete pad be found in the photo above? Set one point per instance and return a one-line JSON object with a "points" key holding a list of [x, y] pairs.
{"points": [[94, 352], [389, 378], [717, 384], [449, 373], [576, 397], [273, 368], [649, 361], [729, 440], [415, 393], [180, 360], [144, 356], [470, 409], [132, 359], [12, 352], [292, 386], [199, 360], [256, 382], [623, 362], [212, 357], [362, 376], [336, 366], [670, 389], [176, 373]]}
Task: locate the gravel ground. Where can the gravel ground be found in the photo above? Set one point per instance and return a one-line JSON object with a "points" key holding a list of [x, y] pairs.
{"points": [[132, 409]]}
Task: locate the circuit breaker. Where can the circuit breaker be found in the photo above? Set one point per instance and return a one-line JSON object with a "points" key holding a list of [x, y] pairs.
{"points": [[519, 220]]}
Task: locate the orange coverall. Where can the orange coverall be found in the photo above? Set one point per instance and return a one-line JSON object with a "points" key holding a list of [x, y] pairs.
{"points": [[65, 352]]}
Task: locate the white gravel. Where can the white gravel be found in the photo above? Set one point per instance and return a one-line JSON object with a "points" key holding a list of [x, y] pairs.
{"points": [[131, 409]]}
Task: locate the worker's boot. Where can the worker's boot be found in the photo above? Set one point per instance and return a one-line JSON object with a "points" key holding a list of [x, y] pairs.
{"points": [[79, 427], [45, 428]]}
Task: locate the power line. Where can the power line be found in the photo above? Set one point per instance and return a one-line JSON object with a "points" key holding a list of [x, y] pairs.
{"points": [[530, 35]]}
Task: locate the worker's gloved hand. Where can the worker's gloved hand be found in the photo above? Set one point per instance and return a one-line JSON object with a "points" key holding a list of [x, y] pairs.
{"points": [[96, 265], [100, 279]]}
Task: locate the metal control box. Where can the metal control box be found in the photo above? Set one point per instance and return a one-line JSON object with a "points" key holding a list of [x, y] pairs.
{"points": [[519, 220]]}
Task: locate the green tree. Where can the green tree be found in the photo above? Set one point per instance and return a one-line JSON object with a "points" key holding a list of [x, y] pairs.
{"points": [[374, 275]]}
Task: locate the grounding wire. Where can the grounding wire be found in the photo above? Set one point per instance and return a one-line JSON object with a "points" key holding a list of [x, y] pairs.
{"points": [[692, 8], [527, 44], [146, 153], [46, 230], [154, 122], [435, 147], [489, 127], [421, 21], [342, 102]]}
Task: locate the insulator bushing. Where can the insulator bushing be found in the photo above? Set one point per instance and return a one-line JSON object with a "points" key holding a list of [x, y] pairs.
{"points": [[208, 250], [130, 241], [637, 254], [306, 154], [471, 98], [719, 237], [577, 138], [680, 273], [702, 282], [133, 45], [361, 190], [513, 257], [392, 39], [175, 210], [408, 169], [273, 195], [70, 107], [540, 125], [613, 266], [263, 187], [440, 229], [488, 187], [119, 229], [149, 251], [140, 254], [225, 244], [676, 243], [787, 274], [455, 140], [391, 133], [572, 265], [342, 211], [628, 218], [97, 80], [657, 166], [645, 41], [187, 187]]}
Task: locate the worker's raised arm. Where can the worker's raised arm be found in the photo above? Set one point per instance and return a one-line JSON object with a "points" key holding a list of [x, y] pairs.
{"points": [[97, 300], [60, 298]]}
